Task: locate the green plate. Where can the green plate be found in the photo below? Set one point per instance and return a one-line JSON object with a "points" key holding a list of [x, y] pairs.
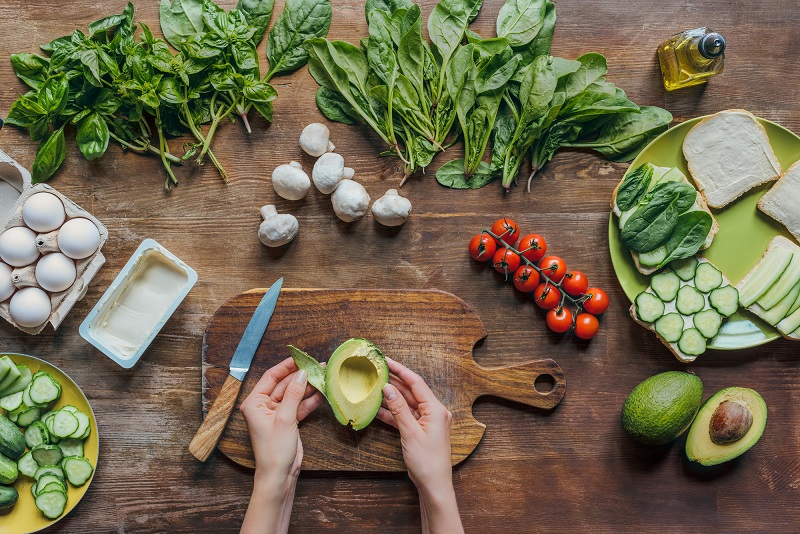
{"points": [[744, 232]]}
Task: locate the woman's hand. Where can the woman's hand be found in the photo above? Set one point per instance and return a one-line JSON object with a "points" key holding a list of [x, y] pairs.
{"points": [[424, 423], [279, 400]]}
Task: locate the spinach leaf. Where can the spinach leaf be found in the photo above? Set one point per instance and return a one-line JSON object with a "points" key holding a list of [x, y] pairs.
{"points": [[634, 186], [411, 53], [31, 69], [181, 19], [258, 13], [390, 6], [540, 45], [451, 174], [593, 68], [689, 236], [299, 21], [653, 223], [92, 136], [49, 156], [334, 107], [686, 194], [519, 21], [447, 23]]}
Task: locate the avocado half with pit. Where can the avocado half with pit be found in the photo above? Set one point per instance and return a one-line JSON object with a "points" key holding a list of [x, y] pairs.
{"points": [[727, 425], [352, 381]]}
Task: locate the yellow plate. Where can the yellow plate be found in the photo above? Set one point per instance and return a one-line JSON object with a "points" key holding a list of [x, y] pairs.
{"points": [[24, 517]]}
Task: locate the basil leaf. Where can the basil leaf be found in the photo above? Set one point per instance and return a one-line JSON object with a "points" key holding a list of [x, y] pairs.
{"points": [[653, 223], [451, 174], [689, 236], [91, 66], [258, 13], [169, 90], [634, 186], [259, 92], [519, 21], [111, 23], [25, 112], [180, 19], [300, 21], [54, 94], [334, 107], [264, 109], [49, 156], [244, 54], [92, 136], [31, 69]]}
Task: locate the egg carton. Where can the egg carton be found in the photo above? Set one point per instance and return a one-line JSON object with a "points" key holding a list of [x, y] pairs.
{"points": [[15, 179]]}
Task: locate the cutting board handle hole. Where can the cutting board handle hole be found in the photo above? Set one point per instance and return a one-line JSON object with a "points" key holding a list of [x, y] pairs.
{"points": [[544, 384]]}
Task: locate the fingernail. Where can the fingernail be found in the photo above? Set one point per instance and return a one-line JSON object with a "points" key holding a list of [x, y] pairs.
{"points": [[300, 376], [389, 392]]}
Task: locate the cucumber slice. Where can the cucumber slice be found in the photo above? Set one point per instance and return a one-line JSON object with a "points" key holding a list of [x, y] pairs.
{"points": [[689, 301], [71, 447], [790, 323], [49, 470], [64, 424], [653, 257], [69, 408], [28, 417], [685, 268], [45, 480], [692, 342], [5, 368], [84, 426], [11, 402], [670, 327], [707, 277], [725, 300], [708, 322], [648, 307], [27, 465], [776, 314], [625, 215], [787, 281], [51, 503], [28, 401], [44, 388], [20, 383], [55, 485], [47, 454], [769, 270], [36, 434], [666, 285], [78, 470], [11, 375], [795, 306]]}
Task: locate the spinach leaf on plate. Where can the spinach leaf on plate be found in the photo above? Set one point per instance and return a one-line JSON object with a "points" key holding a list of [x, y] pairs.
{"points": [[652, 223], [634, 186], [689, 236]]}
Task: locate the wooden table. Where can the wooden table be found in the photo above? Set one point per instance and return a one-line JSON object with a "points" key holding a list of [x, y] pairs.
{"points": [[569, 470]]}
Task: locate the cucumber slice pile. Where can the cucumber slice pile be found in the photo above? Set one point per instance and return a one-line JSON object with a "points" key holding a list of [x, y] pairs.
{"points": [[686, 305], [54, 437]]}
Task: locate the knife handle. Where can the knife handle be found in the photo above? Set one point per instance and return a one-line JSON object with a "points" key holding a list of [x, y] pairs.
{"points": [[207, 436]]}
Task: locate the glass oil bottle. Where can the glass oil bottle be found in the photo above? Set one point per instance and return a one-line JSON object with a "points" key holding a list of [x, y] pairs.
{"points": [[691, 58]]}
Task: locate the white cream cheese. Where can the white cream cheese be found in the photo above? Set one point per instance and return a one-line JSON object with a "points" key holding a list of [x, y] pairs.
{"points": [[142, 303]]}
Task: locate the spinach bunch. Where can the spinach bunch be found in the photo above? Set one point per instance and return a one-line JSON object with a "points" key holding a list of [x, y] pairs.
{"points": [[140, 93]]}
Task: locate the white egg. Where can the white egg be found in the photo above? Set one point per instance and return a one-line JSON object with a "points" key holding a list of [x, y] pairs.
{"points": [[6, 287], [55, 272], [18, 246], [43, 212], [30, 307], [78, 238]]}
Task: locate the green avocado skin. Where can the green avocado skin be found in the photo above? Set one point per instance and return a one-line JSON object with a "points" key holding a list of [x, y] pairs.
{"points": [[662, 407]]}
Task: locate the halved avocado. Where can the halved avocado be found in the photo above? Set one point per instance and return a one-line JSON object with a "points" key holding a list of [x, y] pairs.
{"points": [[353, 380], [727, 425]]}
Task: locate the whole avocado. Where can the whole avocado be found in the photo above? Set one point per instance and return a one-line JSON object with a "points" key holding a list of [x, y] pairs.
{"points": [[662, 407]]}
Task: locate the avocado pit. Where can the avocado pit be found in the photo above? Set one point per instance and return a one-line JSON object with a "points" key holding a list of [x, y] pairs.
{"points": [[730, 422]]}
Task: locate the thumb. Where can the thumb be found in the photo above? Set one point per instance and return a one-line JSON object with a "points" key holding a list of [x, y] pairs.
{"points": [[287, 410], [406, 422]]}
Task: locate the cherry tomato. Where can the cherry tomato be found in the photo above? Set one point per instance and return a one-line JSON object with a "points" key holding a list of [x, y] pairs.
{"points": [[505, 261], [559, 320], [532, 247], [597, 302], [526, 278], [547, 296], [586, 326], [482, 247], [575, 283], [554, 267], [507, 230]]}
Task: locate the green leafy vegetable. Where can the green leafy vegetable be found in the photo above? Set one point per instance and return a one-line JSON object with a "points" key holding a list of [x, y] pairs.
{"points": [[654, 222], [49, 156], [688, 237], [634, 186], [300, 20]]}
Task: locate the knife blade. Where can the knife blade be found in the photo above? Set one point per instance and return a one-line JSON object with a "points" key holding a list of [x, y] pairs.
{"points": [[207, 436]]}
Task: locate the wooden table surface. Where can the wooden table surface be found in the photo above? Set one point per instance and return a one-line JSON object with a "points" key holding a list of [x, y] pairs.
{"points": [[570, 470]]}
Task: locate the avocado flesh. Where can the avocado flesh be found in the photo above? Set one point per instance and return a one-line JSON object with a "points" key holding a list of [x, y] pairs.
{"points": [[354, 380], [700, 448]]}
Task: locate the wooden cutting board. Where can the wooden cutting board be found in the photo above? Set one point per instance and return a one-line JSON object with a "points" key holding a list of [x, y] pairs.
{"points": [[429, 331]]}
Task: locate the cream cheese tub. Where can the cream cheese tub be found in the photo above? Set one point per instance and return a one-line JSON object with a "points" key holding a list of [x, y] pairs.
{"points": [[137, 304]]}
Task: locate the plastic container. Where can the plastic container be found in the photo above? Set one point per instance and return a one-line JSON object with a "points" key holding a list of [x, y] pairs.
{"points": [[135, 307]]}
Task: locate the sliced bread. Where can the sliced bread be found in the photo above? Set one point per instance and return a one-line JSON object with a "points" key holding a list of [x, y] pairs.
{"points": [[728, 154], [782, 201]]}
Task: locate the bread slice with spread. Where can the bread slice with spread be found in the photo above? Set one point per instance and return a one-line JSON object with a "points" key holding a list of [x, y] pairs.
{"points": [[782, 201]]}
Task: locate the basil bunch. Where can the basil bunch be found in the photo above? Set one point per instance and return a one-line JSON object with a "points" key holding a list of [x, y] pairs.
{"points": [[139, 93]]}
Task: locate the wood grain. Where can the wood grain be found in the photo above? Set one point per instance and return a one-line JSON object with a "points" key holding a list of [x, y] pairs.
{"points": [[431, 332], [569, 470], [207, 436]]}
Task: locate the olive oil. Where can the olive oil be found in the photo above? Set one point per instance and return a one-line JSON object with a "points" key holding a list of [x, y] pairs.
{"points": [[691, 58]]}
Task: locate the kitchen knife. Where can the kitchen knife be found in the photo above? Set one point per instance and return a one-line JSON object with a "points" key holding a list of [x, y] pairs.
{"points": [[207, 436]]}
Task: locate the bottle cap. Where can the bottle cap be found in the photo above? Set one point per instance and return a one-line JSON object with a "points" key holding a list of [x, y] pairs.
{"points": [[712, 45]]}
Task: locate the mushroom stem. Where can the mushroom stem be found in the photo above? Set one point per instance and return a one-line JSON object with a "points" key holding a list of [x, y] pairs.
{"points": [[268, 211]]}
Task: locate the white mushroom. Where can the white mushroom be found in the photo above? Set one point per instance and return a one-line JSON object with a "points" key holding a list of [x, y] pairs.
{"points": [[391, 209], [290, 182], [316, 140], [350, 201], [277, 229], [328, 171]]}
